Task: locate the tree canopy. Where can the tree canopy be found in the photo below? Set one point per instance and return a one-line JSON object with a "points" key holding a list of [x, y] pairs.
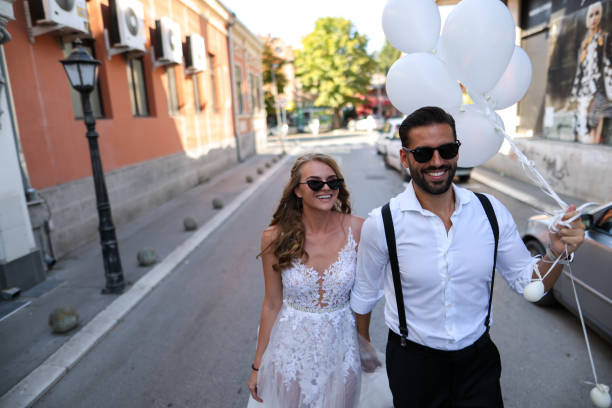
{"points": [[334, 64], [387, 56]]}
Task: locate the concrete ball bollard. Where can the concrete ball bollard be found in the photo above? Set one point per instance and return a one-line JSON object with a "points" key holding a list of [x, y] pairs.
{"points": [[190, 224], [260, 170], [274, 160], [217, 204], [147, 257], [268, 165], [63, 319], [249, 179]]}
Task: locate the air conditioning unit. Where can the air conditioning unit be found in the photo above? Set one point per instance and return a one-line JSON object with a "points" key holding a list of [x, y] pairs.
{"points": [[169, 48], [128, 28], [195, 54], [71, 14]]}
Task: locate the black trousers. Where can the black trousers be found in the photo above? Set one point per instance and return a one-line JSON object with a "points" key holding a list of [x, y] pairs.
{"points": [[422, 377]]}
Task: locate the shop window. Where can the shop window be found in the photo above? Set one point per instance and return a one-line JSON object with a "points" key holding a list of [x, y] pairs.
{"points": [[94, 96], [238, 75], [138, 90], [213, 84], [173, 101]]}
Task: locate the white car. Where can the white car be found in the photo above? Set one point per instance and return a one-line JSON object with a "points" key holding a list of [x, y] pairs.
{"points": [[386, 134]]}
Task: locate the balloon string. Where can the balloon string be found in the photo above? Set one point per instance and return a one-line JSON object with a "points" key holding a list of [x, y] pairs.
{"points": [[532, 172], [584, 331]]}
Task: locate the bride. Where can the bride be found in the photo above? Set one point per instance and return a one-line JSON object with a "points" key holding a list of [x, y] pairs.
{"points": [[308, 352]]}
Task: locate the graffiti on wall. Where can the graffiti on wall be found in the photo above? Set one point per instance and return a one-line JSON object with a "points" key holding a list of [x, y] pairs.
{"points": [[578, 104]]}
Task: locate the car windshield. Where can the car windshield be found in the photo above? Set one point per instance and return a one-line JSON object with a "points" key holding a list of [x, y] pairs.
{"points": [[605, 223]]}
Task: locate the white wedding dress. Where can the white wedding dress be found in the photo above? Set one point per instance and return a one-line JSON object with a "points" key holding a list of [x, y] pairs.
{"points": [[312, 359]]}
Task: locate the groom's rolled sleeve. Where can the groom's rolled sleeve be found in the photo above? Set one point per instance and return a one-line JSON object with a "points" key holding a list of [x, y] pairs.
{"points": [[371, 264]]}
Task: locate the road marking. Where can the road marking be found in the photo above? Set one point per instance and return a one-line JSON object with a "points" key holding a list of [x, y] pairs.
{"points": [[41, 379]]}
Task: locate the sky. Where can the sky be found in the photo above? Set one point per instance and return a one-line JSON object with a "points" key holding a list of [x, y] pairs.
{"points": [[293, 19]]}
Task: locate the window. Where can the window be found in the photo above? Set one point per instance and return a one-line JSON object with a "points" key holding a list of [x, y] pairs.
{"points": [[213, 85], [196, 93], [173, 103], [252, 91], [238, 74], [138, 90], [94, 96], [259, 105]]}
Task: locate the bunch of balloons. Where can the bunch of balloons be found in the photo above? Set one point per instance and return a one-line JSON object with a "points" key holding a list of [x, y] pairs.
{"points": [[476, 48]]}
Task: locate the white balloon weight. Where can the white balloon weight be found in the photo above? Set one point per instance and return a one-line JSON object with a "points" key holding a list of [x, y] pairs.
{"points": [[411, 25], [478, 39], [476, 131], [515, 81], [600, 396], [421, 79], [534, 291]]}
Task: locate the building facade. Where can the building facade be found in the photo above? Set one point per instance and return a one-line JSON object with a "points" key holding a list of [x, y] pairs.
{"points": [[167, 106]]}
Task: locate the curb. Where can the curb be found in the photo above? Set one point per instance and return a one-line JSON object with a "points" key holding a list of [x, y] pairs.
{"points": [[514, 193], [41, 379]]}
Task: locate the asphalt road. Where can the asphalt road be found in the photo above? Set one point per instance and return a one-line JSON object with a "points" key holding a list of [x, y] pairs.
{"points": [[190, 343]]}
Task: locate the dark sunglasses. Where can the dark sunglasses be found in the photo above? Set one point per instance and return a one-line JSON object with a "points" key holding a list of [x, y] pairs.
{"points": [[424, 154], [316, 185]]}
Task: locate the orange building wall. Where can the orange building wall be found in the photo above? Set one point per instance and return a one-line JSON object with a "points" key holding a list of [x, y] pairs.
{"points": [[53, 141]]}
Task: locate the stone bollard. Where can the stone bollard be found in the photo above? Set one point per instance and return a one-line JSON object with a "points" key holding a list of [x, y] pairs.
{"points": [[268, 165], [217, 204], [249, 179], [260, 170], [147, 257], [190, 224], [63, 319]]}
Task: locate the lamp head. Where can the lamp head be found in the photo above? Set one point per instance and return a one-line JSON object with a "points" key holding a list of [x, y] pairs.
{"points": [[81, 69]]}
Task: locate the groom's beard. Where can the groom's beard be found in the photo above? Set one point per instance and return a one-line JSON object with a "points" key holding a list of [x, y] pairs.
{"points": [[418, 176]]}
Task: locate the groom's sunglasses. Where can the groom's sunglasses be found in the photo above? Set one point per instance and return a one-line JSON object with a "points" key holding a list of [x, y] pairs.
{"points": [[316, 185], [424, 154]]}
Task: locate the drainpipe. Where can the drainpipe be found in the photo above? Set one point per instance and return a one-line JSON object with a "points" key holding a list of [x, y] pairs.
{"points": [[230, 49]]}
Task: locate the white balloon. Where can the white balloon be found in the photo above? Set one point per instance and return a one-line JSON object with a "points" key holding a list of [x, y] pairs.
{"points": [[478, 39], [514, 83], [411, 25], [600, 396], [476, 132], [421, 79], [534, 291]]}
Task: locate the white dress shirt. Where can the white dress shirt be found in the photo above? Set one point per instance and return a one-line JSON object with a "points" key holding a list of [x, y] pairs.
{"points": [[445, 277]]}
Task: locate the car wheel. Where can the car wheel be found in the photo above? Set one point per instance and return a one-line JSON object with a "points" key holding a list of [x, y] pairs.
{"points": [[387, 165], [464, 179], [536, 248]]}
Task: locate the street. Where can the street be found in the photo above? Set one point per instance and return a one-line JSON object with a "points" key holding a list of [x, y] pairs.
{"points": [[190, 343]]}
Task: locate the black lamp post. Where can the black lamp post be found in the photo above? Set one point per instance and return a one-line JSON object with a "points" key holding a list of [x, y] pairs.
{"points": [[82, 71]]}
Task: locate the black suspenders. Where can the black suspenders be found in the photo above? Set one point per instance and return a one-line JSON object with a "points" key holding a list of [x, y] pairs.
{"points": [[391, 246]]}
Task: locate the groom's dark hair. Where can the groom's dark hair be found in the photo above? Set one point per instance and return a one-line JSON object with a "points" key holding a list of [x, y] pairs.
{"points": [[429, 115]]}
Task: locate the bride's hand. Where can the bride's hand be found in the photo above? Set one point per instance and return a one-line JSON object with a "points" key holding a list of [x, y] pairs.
{"points": [[369, 359], [253, 386]]}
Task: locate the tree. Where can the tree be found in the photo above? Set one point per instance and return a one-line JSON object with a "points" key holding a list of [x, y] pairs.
{"points": [[334, 64], [270, 62], [387, 56]]}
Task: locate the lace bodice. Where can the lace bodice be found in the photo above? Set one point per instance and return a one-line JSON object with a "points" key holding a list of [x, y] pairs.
{"points": [[304, 287]]}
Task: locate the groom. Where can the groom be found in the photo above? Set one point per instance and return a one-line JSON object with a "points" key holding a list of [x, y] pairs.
{"points": [[445, 250]]}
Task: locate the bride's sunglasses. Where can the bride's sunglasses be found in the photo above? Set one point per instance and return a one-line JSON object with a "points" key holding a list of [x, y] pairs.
{"points": [[424, 154], [316, 185]]}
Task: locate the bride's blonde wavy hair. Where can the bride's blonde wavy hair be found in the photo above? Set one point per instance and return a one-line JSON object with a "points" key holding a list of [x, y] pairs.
{"points": [[289, 242]]}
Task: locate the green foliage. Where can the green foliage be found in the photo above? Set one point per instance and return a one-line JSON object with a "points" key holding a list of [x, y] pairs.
{"points": [[387, 56], [269, 60], [334, 64]]}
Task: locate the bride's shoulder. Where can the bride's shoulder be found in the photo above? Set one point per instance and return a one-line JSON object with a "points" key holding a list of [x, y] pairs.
{"points": [[355, 223], [269, 235]]}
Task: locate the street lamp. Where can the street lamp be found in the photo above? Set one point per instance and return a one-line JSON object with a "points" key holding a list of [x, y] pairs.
{"points": [[82, 72]]}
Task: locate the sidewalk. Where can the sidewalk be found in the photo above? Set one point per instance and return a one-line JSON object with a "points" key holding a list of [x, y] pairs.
{"points": [[33, 358]]}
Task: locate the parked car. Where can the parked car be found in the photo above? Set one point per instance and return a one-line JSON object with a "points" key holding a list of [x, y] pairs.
{"points": [[390, 127], [592, 268], [392, 159], [368, 123]]}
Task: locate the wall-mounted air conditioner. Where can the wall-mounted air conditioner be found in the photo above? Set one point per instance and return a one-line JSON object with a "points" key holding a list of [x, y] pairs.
{"points": [[59, 14], [195, 53], [127, 30], [169, 45]]}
